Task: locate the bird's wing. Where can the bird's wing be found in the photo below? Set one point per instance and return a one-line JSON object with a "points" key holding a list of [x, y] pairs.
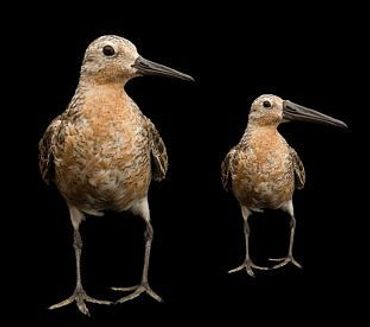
{"points": [[158, 152], [46, 150], [299, 172], [227, 167]]}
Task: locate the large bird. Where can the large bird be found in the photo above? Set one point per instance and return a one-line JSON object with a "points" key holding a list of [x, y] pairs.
{"points": [[102, 152]]}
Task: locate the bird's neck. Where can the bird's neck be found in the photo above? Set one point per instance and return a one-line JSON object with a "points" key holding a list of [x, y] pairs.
{"points": [[99, 99], [256, 133], [103, 78], [87, 84]]}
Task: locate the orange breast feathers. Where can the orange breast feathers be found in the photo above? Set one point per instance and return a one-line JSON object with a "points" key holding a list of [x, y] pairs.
{"points": [[106, 154], [263, 175]]}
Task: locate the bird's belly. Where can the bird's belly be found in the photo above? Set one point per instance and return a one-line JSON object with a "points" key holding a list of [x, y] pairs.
{"points": [[264, 184], [105, 175]]}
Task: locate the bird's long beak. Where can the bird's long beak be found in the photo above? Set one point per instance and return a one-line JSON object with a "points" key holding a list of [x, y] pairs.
{"points": [[147, 67], [292, 111]]}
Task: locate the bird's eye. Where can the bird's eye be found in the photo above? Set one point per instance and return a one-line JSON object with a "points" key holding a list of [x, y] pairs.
{"points": [[108, 51], [267, 104]]}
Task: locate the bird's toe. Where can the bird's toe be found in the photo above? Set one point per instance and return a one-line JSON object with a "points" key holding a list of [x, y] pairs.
{"points": [[284, 261], [248, 266], [153, 294], [137, 291], [80, 297], [242, 266], [125, 289], [297, 264], [81, 305]]}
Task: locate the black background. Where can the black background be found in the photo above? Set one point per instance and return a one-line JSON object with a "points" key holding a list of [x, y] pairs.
{"points": [[235, 56]]}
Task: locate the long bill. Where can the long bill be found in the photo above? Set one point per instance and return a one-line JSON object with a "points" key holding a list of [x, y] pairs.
{"points": [[293, 111], [147, 67]]}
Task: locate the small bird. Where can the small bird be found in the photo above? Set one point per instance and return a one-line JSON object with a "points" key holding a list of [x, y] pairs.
{"points": [[102, 152], [263, 171]]}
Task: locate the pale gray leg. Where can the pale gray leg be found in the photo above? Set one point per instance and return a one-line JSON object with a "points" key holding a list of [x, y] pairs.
{"points": [[79, 295], [288, 207], [142, 209], [248, 263]]}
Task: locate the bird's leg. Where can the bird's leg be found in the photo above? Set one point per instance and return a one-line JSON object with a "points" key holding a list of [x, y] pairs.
{"points": [[79, 295], [284, 261], [143, 209], [248, 263]]}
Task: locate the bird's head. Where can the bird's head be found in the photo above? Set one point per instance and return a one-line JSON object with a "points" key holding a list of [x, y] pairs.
{"points": [[112, 58], [266, 110], [270, 110]]}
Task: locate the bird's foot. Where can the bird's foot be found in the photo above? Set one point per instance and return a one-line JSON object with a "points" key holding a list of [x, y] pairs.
{"points": [[137, 290], [248, 265], [80, 297], [284, 261]]}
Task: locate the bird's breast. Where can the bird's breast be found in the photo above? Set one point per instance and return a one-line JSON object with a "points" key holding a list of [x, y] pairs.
{"points": [[104, 162], [263, 176]]}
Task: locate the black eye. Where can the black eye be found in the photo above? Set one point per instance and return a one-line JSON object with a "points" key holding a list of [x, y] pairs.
{"points": [[267, 104], [108, 51]]}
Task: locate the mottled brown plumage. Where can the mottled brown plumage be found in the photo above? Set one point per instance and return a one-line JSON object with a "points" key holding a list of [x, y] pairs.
{"points": [[102, 152], [263, 171], [100, 156]]}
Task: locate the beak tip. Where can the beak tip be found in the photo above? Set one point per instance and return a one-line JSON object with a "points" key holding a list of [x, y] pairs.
{"points": [[187, 78]]}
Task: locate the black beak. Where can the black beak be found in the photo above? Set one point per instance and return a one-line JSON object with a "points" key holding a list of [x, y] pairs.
{"points": [[147, 67], [292, 111]]}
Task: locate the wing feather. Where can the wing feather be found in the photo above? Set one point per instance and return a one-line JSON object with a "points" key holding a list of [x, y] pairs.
{"points": [[227, 168], [46, 150], [299, 172], [158, 153]]}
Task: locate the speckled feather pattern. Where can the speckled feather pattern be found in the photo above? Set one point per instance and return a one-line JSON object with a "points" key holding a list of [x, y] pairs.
{"points": [[102, 152], [99, 151], [262, 170]]}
